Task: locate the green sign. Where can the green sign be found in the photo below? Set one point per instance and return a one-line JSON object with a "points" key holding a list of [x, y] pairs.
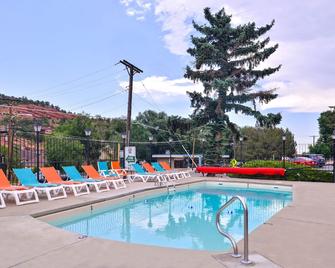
{"points": [[130, 158]]}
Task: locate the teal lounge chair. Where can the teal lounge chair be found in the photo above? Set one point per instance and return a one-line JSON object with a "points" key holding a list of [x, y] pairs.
{"points": [[171, 176], [73, 173], [28, 178], [143, 175], [105, 171]]}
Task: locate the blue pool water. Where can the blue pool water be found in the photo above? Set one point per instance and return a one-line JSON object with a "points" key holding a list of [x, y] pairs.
{"points": [[185, 219]]}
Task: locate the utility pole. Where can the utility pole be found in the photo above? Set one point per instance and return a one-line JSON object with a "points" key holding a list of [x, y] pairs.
{"points": [[132, 70]]}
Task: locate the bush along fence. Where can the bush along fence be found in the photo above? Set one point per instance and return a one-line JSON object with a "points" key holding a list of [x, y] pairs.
{"points": [[295, 172]]}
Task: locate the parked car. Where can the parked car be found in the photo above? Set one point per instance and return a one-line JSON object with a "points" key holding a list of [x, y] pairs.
{"points": [[318, 158], [301, 160]]}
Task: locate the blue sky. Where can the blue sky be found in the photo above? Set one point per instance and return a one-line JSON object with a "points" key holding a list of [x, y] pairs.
{"points": [[65, 51]]}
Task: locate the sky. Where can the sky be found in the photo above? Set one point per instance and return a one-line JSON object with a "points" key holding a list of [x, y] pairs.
{"points": [[66, 52]]}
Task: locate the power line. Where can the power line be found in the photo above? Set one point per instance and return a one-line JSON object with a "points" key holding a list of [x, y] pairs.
{"points": [[114, 108], [91, 83], [150, 95], [73, 80], [97, 101]]}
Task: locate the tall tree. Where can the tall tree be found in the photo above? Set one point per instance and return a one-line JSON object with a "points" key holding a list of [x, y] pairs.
{"points": [[265, 144], [326, 128], [227, 60]]}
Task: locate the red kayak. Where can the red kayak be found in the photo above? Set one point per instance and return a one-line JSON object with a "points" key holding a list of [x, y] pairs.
{"points": [[242, 171]]}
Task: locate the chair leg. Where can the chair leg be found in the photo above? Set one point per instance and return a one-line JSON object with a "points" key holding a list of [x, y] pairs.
{"points": [[47, 192], [2, 201], [123, 184], [120, 184], [78, 189], [98, 186], [33, 197], [115, 185], [86, 189], [129, 179], [56, 191]]}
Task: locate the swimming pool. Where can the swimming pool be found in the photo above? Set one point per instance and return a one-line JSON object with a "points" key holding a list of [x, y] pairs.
{"points": [[182, 219]]}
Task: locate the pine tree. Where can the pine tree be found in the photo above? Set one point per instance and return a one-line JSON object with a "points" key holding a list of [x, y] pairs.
{"points": [[227, 59]]}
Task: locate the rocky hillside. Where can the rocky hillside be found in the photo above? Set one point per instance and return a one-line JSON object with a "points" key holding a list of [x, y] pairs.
{"points": [[26, 108]]}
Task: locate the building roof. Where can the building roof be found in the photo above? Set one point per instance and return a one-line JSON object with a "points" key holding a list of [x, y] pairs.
{"points": [[181, 156]]}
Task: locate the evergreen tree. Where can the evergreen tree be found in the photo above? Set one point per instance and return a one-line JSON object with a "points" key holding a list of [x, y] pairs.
{"points": [[227, 60]]}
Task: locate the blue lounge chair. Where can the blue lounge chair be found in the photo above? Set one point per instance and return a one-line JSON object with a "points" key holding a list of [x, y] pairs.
{"points": [[104, 170], [73, 173], [171, 176], [28, 178], [143, 175]]}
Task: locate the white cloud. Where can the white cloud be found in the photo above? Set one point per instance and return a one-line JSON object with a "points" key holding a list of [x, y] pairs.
{"points": [[126, 2], [162, 89], [305, 82], [176, 18], [137, 8], [300, 96]]}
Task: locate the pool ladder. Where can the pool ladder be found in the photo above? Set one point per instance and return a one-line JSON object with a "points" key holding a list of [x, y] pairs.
{"points": [[245, 259]]}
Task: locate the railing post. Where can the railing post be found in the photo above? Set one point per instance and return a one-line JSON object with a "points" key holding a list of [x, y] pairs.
{"points": [[246, 234], [246, 229]]}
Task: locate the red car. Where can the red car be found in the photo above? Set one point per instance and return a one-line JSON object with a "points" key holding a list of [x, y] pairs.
{"points": [[304, 161]]}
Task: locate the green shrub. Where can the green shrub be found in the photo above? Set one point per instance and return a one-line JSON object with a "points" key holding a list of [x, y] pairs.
{"points": [[294, 172], [271, 163], [308, 174]]}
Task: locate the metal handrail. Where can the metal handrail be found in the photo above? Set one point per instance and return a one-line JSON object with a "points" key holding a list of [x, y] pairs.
{"points": [[231, 239]]}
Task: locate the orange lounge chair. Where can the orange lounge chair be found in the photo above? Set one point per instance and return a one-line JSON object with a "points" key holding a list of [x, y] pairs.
{"points": [[151, 170], [116, 167], [92, 173], [166, 166], [51, 175], [7, 189]]}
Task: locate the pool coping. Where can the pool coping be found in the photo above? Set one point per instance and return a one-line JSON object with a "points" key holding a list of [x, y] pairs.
{"points": [[155, 188]]}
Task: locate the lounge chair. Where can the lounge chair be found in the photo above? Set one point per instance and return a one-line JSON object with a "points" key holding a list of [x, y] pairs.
{"points": [[28, 178], [172, 176], [116, 167], [52, 176], [6, 189], [74, 174], [145, 176], [166, 166], [92, 173], [149, 168], [104, 170], [2, 202]]}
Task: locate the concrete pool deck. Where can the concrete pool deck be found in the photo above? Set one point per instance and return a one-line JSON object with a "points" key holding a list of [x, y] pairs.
{"points": [[300, 235]]}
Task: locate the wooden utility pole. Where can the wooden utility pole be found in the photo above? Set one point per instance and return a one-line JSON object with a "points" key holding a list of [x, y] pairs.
{"points": [[132, 70]]}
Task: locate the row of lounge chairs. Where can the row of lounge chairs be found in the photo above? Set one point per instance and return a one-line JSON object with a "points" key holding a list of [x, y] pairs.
{"points": [[103, 179]]}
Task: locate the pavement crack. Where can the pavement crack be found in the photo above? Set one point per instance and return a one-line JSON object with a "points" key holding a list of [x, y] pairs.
{"points": [[47, 252], [306, 221]]}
